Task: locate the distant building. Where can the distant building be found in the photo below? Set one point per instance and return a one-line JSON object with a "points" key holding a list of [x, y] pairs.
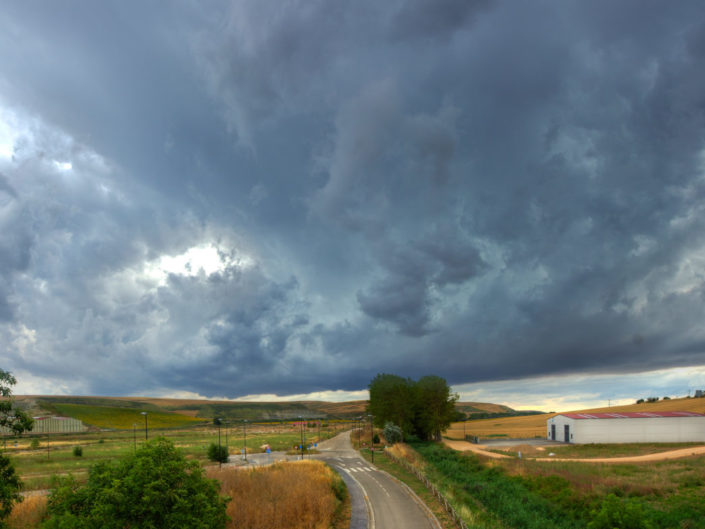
{"points": [[627, 427], [699, 393], [43, 425]]}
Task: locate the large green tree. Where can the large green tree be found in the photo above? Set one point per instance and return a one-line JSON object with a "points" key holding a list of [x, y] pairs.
{"points": [[435, 407], [423, 408], [16, 421], [391, 398], [154, 488]]}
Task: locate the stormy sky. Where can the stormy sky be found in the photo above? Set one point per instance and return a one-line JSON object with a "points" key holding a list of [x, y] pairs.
{"points": [[245, 198]]}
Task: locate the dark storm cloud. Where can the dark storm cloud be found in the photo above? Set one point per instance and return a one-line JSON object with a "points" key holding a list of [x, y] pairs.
{"points": [[291, 198]]}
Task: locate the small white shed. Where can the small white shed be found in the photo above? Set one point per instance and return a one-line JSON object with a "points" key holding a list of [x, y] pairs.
{"points": [[627, 427]]}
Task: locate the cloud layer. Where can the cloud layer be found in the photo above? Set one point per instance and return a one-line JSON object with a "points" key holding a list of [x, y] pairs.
{"points": [[291, 198]]}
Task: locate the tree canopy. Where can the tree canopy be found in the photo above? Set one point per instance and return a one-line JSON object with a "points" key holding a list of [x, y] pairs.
{"points": [[155, 488], [423, 408], [17, 422]]}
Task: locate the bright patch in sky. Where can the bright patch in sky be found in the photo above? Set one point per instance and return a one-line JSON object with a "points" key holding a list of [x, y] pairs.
{"points": [[205, 259]]}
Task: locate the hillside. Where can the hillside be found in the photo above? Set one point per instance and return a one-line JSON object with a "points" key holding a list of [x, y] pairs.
{"points": [[535, 425], [107, 411], [97, 410]]}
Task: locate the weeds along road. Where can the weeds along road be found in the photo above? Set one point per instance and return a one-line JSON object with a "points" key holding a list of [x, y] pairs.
{"points": [[389, 504]]}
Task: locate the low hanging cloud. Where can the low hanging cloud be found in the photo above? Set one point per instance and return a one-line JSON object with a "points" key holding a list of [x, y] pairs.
{"points": [[255, 200]]}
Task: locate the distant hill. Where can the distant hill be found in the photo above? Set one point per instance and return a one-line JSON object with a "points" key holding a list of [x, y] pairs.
{"points": [[187, 409], [190, 409], [535, 425]]}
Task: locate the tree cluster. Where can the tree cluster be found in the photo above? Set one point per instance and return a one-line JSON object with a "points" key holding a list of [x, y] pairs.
{"points": [[17, 422], [156, 487], [423, 408]]}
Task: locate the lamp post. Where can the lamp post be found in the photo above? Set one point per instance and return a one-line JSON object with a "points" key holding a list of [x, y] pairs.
{"points": [[220, 463], [372, 439], [359, 433], [146, 428], [301, 427], [244, 423]]}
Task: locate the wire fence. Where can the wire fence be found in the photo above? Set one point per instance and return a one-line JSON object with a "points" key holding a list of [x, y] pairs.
{"points": [[431, 487]]}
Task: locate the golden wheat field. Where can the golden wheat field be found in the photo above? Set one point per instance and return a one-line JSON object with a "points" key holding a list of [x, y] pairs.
{"points": [[535, 425], [294, 495]]}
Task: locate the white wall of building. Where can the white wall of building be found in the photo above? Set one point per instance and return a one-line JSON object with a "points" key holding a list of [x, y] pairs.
{"points": [[631, 430]]}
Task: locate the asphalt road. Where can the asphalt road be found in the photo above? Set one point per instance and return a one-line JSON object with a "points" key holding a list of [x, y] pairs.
{"points": [[377, 498]]}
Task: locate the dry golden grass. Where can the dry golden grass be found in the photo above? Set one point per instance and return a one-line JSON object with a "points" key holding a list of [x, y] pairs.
{"points": [[535, 425], [294, 495], [28, 514]]}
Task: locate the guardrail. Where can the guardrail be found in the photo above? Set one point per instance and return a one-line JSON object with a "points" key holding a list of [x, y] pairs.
{"points": [[431, 487]]}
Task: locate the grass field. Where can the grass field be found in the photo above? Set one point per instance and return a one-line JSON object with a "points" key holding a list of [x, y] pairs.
{"points": [[36, 466], [123, 418], [535, 425], [542, 495]]}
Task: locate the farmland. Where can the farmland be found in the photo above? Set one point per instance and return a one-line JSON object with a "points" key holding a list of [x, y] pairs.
{"points": [[535, 425]]}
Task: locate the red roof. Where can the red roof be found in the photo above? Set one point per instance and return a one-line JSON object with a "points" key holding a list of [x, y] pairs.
{"points": [[632, 415]]}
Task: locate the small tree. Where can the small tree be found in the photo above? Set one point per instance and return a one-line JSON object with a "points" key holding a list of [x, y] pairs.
{"points": [[156, 487], [219, 454], [17, 421], [392, 433]]}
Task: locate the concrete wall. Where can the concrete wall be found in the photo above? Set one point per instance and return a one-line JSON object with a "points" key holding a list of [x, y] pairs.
{"points": [[641, 430]]}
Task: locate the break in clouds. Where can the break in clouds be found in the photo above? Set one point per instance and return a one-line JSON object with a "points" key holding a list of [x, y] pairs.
{"points": [[247, 197]]}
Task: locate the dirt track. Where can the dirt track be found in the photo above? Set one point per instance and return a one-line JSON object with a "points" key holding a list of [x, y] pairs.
{"points": [[464, 446]]}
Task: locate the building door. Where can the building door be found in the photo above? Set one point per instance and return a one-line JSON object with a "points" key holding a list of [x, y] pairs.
{"points": [[553, 432], [567, 433]]}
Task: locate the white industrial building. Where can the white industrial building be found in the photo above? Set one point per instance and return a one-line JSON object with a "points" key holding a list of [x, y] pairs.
{"points": [[627, 427]]}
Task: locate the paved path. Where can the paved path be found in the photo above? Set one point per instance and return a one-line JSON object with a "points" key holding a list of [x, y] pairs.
{"points": [[378, 500], [464, 446]]}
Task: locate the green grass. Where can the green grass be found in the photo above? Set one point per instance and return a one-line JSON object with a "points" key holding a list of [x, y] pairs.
{"points": [[36, 466], [480, 519], [534, 494], [615, 450], [123, 418]]}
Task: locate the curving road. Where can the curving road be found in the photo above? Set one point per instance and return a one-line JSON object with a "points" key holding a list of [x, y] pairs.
{"points": [[378, 500]]}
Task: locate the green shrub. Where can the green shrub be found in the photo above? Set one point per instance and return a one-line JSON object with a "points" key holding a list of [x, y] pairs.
{"points": [[10, 486], [619, 514], [375, 439], [219, 454], [392, 433], [77, 451], [156, 488], [34, 444]]}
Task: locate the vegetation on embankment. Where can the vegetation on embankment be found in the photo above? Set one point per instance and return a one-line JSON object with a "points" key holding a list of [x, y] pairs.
{"points": [[296, 495], [544, 495]]}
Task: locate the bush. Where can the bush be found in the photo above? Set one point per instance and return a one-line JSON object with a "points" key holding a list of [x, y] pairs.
{"points": [[77, 451], [9, 488], [219, 454], [392, 433], [156, 487], [617, 514], [34, 444], [375, 439]]}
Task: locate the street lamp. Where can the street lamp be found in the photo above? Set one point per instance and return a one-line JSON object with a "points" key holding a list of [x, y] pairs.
{"points": [[244, 423], [372, 440], [220, 463], [146, 428], [301, 427]]}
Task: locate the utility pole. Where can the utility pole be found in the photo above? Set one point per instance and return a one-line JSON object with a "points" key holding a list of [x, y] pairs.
{"points": [[134, 436]]}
